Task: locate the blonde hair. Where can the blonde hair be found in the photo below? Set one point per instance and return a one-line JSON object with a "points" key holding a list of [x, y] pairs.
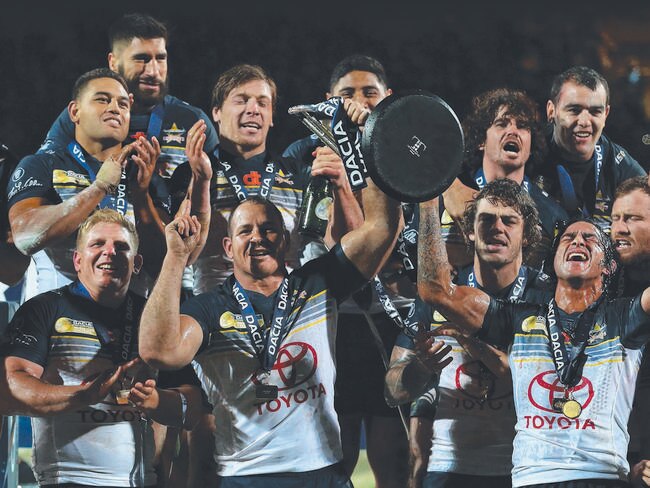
{"points": [[110, 216]]}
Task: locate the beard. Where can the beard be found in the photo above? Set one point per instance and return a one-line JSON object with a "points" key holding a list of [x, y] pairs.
{"points": [[143, 98]]}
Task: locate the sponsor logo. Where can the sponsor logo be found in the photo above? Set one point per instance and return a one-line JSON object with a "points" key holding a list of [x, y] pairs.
{"points": [[25, 340], [296, 364], [621, 155], [291, 398], [174, 134], [108, 416], [532, 323], [438, 317], [65, 325], [473, 382], [284, 180], [546, 387], [597, 334], [138, 135], [23, 185]]}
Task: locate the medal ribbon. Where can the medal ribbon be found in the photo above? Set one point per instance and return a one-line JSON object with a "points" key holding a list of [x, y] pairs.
{"points": [[517, 288], [127, 348], [266, 345], [568, 365], [155, 121], [237, 185], [118, 203]]}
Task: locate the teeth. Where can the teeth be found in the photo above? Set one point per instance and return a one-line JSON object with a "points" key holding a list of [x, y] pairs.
{"points": [[582, 134], [511, 147], [620, 243], [106, 266]]}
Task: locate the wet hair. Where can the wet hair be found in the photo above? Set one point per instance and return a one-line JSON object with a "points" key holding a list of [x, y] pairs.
{"points": [[610, 257], [134, 25], [485, 108], [95, 74], [237, 76], [508, 193], [358, 62], [582, 76], [108, 215], [632, 184], [270, 208]]}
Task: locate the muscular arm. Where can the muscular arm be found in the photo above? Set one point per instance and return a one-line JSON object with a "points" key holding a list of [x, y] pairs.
{"points": [[23, 392], [494, 359], [369, 245], [35, 224], [463, 305], [412, 372], [420, 442], [168, 340]]}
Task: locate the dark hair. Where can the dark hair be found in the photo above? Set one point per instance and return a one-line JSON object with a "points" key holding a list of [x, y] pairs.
{"points": [[632, 184], [508, 193], [580, 75], [610, 257], [270, 207], [485, 108], [358, 62], [236, 76], [134, 25], [94, 74]]}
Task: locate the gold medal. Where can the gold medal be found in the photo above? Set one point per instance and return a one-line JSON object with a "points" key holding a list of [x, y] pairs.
{"points": [[571, 409]]}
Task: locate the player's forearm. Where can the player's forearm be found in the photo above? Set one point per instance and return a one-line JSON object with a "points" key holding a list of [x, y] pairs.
{"points": [[369, 246], [456, 197], [346, 215], [30, 396], [46, 225], [151, 230], [406, 379], [494, 359], [160, 332]]}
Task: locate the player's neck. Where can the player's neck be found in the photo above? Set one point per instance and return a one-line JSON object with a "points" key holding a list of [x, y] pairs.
{"points": [[497, 171], [107, 297], [573, 296], [494, 279], [98, 149], [267, 285], [142, 109], [244, 152]]}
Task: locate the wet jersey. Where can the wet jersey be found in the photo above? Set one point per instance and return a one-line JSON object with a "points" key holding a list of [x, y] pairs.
{"points": [[298, 431], [474, 419], [550, 447]]}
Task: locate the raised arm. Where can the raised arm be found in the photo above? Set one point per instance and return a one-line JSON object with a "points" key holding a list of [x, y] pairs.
{"points": [[168, 340], [35, 224], [369, 245], [463, 305], [456, 198], [199, 187]]}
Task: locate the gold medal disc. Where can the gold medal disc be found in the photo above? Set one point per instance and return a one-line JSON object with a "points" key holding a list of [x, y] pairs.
{"points": [[571, 409]]}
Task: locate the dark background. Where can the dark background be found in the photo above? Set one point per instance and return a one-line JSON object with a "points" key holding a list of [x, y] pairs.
{"points": [[454, 49]]}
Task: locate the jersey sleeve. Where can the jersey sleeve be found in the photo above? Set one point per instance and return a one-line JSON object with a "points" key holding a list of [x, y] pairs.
{"points": [[28, 333], [627, 166], [498, 324], [159, 193], [206, 310], [32, 178], [61, 133], [634, 322], [341, 277], [211, 138]]}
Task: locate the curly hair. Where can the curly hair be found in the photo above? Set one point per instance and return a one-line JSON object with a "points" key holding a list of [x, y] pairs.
{"points": [[485, 108], [508, 193]]}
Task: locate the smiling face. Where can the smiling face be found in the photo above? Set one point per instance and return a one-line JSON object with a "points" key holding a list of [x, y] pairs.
{"points": [[580, 254], [257, 242], [143, 64], [578, 117], [245, 117], [101, 112], [631, 227], [105, 259], [498, 234], [361, 86], [507, 142]]}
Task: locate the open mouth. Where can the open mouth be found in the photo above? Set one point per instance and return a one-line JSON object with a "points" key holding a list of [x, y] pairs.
{"points": [[582, 135], [577, 256], [259, 252], [511, 147], [107, 267], [622, 243], [251, 125]]}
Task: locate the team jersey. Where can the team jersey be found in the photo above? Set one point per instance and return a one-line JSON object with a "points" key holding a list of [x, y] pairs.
{"points": [[299, 430], [474, 419], [178, 117], [56, 176], [213, 266], [550, 447], [587, 189], [74, 339]]}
